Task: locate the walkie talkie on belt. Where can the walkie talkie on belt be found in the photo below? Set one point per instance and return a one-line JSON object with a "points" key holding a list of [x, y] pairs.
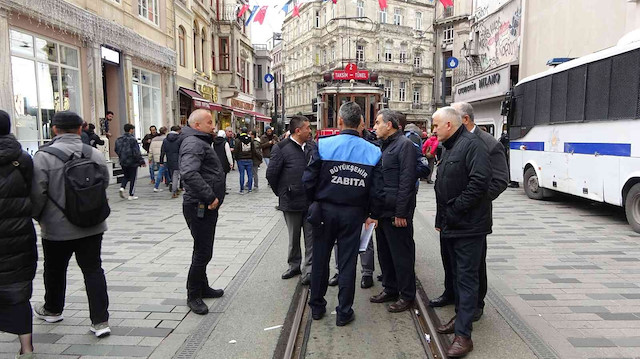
{"points": [[201, 207]]}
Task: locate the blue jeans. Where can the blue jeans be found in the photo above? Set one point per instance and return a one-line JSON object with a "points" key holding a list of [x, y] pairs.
{"points": [[151, 170], [162, 172], [245, 165]]}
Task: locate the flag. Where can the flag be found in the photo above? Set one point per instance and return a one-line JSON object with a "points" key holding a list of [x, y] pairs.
{"points": [[296, 10], [285, 7], [446, 3], [261, 14], [383, 4], [244, 9], [253, 12]]}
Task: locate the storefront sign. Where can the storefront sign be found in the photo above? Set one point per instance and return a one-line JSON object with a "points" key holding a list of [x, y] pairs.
{"points": [[110, 55], [351, 72], [241, 104], [209, 92], [488, 85]]}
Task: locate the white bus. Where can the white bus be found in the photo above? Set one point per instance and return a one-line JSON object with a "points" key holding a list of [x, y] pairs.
{"points": [[576, 128]]}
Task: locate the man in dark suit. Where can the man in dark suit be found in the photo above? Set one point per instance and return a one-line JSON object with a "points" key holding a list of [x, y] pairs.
{"points": [[499, 182]]}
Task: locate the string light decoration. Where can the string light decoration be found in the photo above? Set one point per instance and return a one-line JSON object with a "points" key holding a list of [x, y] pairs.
{"points": [[68, 19]]}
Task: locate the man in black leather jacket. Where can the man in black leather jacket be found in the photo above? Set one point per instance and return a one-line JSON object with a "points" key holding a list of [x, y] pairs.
{"points": [[463, 217], [396, 248]]}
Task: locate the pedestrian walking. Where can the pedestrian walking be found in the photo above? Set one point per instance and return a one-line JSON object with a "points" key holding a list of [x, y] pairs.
{"points": [[204, 182], [267, 141], [340, 180], [429, 151], [243, 154], [94, 139], [499, 182], [155, 157], [223, 150], [394, 234], [69, 224], [463, 218], [170, 154], [130, 158], [256, 158], [17, 240], [146, 143], [231, 140], [289, 160]]}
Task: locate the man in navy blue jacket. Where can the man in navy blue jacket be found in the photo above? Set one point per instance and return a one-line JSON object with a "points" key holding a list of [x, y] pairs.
{"points": [[340, 180]]}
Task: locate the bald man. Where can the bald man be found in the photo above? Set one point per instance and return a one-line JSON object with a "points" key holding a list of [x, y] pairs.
{"points": [[463, 218], [203, 179]]}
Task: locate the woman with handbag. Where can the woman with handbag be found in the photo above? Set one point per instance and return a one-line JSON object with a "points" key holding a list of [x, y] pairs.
{"points": [[18, 252], [429, 151]]}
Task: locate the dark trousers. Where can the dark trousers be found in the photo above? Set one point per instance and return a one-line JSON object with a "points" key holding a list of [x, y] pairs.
{"points": [[465, 255], [203, 231], [56, 260], [342, 224], [397, 257], [449, 287], [130, 174], [431, 162]]}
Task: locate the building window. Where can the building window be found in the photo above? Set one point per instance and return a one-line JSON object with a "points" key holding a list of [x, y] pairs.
{"points": [[402, 91], [360, 8], [324, 56], [317, 19], [388, 89], [416, 95], [418, 21], [224, 54], [243, 76], [397, 17], [182, 46], [203, 46], [259, 79], [403, 54], [147, 100], [447, 35], [448, 11], [333, 53], [148, 9], [383, 16], [360, 53], [417, 61], [46, 80], [387, 52], [447, 86]]}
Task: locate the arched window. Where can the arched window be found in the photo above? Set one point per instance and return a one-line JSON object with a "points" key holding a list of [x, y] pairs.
{"points": [[181, 46], [203, 47], [197, 44]]}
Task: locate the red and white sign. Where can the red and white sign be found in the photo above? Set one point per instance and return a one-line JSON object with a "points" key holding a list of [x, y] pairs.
{"points": [[351, 72]]}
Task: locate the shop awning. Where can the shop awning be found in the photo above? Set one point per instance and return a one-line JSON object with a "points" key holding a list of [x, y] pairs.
{"points": [[198, 100], [260, 117]]}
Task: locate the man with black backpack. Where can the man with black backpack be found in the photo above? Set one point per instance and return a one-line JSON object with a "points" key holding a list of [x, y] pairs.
{"points": [[70, 203]]}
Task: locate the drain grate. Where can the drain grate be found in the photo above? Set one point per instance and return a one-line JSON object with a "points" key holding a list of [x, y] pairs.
{"points": [[195, 341]]}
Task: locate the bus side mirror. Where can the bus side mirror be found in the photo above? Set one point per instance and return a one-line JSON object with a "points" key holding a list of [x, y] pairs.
{"points": [[507, 109]]}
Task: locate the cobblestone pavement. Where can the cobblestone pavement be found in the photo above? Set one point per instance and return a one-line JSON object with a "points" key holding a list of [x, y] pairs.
{"points": [[146, 254], [571, 269]]}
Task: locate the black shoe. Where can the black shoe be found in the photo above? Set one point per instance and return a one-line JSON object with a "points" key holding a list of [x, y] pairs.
{"points": [[306, 280], [383, 297], [290, 273], [197, 306], [342, 323], [209, 292], [318, 315], [379, 278], [478, 314], [333, 281], [366, 282], [441, 301]]}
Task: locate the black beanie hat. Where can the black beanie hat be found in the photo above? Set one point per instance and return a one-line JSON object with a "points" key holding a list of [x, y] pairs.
{"points": [[66, 119], [5, 123]]}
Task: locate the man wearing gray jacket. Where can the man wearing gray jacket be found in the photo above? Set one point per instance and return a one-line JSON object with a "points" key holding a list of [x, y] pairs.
{"points": [[60, 238], [204, 183]]}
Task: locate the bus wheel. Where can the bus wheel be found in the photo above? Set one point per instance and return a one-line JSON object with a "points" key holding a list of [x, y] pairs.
{"points": [[531, 186], [632, 207]]}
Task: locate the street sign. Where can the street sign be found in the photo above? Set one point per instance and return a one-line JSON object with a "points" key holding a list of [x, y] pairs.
{"points": [[268, 78], [452, 62], [350, 72]]}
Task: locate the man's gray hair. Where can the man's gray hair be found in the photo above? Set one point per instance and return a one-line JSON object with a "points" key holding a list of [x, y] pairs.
{"points": [[390, 115], [450, 114], [197, 115], [351, 114], [464, 108]]}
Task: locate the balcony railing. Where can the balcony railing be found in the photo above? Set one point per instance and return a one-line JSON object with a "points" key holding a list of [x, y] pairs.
{"points": [[259, 47]]}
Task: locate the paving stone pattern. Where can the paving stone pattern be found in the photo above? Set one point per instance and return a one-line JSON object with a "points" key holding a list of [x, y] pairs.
{"points": [[569, 268], [146, 255]]}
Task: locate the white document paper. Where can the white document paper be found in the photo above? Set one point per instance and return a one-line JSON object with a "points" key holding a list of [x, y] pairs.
{"points": [[366, 235]]}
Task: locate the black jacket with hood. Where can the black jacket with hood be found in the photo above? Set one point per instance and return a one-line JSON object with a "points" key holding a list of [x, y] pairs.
{"points": [[219, 146], [18, 253], [200, 169], [245, 148], [170, 152], [399, 176]]}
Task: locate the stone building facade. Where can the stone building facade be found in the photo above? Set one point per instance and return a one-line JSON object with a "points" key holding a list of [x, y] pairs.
{"points": [[87, 56], [397, 44]]}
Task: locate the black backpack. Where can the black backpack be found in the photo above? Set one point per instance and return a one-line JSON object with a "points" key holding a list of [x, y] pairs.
{"points": [[84, 188]]}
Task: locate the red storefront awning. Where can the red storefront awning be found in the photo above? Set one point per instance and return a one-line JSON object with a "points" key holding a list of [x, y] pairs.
{"points": [[198, 100], [260, 117]]}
